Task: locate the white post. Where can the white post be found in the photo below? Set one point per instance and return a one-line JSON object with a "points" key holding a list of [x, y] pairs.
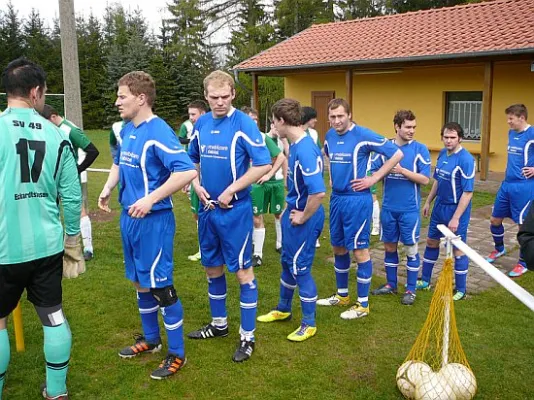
{"points": [[521, 294]]}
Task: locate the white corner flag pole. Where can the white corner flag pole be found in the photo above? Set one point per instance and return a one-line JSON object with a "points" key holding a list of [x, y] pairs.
{"points": [[521, 294]]}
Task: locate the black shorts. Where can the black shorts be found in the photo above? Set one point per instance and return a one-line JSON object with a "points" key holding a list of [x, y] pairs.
{"points": [[41, 278]]}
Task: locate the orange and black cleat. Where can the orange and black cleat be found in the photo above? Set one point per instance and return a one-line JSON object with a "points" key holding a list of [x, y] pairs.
{"points": [[168, 367], [140, 346]]}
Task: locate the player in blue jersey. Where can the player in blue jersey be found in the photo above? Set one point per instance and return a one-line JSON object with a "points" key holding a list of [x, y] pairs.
{"points": [[230, 153], [37, 167], [150, 166], [401, 205], [349, 148], [516, 193], [453, 190], [302, 220]]}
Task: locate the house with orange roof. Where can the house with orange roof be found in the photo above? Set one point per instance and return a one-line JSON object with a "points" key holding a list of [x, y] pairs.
{"points": [[464, 64]]}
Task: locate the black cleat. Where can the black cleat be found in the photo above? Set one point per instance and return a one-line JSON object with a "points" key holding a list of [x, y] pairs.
{"points": [[168, 367], [279, 250], [244, 351], [140, 346], [408, 298], [207, 332], [256, 261]]}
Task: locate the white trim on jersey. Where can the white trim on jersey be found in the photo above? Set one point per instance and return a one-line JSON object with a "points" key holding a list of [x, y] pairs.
{"points": [[318, 169], [233, 146], [357, 149], [453, 178], [153, 268], [525, 153], [295, 183], [143, 158], [240, 258]]}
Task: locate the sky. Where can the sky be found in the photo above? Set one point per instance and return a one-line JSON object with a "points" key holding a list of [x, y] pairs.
{"points": [[48, 9]]}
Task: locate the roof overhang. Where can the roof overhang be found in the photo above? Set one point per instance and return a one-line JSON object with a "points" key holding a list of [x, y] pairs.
{"points": [[453, 58]]}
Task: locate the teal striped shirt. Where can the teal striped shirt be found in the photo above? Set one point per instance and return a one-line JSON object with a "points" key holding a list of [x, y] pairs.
{"points": [[37, 169]]}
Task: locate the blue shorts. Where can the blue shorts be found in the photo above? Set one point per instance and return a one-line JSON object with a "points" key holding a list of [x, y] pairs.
{"points": [[350, 221], [225, 236], [513, 200], [298, 241], [400, 226], [148, 248], [442, 214]]}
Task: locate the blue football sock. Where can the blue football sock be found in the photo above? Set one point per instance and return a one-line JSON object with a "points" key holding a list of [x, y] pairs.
{"points": [[57, 345], [461, 263], [217, 295], [498, 236], [5, 353], [429, 260], [391, 262], [148, 308], [287, 288], [249, 305], [342, 268], [412, 270], [308, 298], [521, 260], [364, 274], [173, 319]]}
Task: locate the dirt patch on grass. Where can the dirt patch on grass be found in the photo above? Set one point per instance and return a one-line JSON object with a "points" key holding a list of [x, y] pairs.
{"points": [[482, 212], [101, 216]]}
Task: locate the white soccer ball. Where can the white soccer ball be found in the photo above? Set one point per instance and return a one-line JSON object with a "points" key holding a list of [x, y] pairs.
{"points": [[461, 378], [434, 387], [409, 375]]}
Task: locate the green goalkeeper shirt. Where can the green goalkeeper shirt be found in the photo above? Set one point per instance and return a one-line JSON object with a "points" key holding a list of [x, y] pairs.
{"points": [[76, 136], [37, 168]]}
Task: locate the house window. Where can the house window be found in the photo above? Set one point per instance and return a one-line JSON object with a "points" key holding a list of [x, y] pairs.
{"points": [[466, 109]]}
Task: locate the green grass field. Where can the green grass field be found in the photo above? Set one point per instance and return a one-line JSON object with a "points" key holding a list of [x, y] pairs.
{"points": [[345, 360]]}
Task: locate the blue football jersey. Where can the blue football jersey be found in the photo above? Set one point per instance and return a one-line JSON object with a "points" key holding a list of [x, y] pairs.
{"points": [[349, 155], [149, 153], [224, 148], [455, 175], [520, 154], [305, 172], [400, 193]]}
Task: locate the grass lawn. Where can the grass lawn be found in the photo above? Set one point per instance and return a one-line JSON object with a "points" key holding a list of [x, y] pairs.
{"points": [[346, 360]]}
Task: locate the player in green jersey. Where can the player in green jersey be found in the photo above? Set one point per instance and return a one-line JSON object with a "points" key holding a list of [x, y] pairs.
{"points": [[37, 167], [267, 195], [85, 153], [195, 109]]}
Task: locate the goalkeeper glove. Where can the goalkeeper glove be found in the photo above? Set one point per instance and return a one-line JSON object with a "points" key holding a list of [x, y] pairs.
{"points": [[73, 261]]}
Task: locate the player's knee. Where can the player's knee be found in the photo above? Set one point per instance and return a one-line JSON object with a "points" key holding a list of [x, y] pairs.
{"points": [[165, 296], [339, 251], [495, 221], [245, 276], [411, 251], [214, 272], [457, 253], [390, 247], [51, 316], [361, 255], [432, 243], [258, 221]]}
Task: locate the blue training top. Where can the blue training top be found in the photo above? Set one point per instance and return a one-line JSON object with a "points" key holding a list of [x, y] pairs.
{"points": [[349, 155], [224, 148], [400, 193], [305, 172], [147, 156], [520, 154], [455, 175]]}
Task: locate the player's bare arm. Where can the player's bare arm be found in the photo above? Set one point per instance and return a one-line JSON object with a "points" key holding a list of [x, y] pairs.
{"points": [[314, 202], [251, 176], [368, 181], [113, 180], [465, 199], [278, 163], [430, 199]]}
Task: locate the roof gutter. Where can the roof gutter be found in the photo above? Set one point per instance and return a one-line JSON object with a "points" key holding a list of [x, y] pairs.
{"points": [[494, 53]]}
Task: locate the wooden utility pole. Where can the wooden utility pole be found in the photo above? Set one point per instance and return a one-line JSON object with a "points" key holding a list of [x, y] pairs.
{"points": [[69, 57]]}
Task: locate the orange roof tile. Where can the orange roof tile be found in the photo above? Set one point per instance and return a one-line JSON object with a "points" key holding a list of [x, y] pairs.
{"points": [[489, 28]]}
